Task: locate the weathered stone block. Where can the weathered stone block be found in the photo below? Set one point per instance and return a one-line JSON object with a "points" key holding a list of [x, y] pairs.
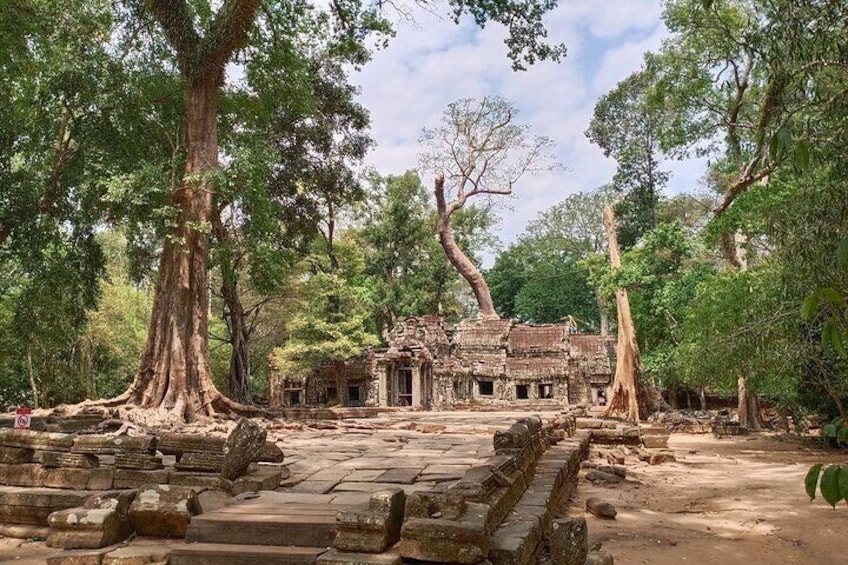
{"points": [[60, 459], [22, 475], [133, 478], [465, 540], [100, 522], [163, 510], [15, 455], [113, 445], [242, 447], [101, 479], [67, 477], [569, 542], [142, 461], [171, 443], [206, 480], [202, 462], [600, 508], [264, 478], [33, 506], [375, 530], [515, 542], [31, 439]]}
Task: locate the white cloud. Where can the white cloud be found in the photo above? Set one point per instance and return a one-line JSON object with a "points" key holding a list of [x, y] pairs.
{"points": [[428, 65]]}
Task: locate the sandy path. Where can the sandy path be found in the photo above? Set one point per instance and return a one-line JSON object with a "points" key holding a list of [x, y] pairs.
{"points": [[730, 501]]}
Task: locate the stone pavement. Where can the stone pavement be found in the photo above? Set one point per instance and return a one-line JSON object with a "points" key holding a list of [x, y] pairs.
{"points": [[414, 451]]}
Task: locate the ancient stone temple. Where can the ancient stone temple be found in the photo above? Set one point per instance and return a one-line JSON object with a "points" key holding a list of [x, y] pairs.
{"points": [[494, 362]]}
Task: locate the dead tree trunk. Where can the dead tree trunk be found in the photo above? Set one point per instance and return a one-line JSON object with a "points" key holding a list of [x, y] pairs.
{"points": [[629, 398], [457, 256]]}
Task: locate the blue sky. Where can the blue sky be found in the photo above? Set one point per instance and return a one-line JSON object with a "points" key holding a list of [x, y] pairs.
{"points": [[432, 62]]}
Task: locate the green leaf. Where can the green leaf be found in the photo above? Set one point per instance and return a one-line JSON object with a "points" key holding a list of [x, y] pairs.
{"points": [[831, 295], [802, 155], [842, 483], [842, 251], [827, 329], [842, 437], [829, 430], [836, 341], [812, 479], [830, 485], [810, 307]]}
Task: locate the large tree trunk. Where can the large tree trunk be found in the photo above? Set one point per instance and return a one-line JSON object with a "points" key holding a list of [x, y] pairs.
{"points": [[629, 398], [174, 374], [748, 407], [457, 256]]}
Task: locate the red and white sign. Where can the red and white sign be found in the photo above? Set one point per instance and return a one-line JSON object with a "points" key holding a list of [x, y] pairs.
{"points": [[23, 418]]}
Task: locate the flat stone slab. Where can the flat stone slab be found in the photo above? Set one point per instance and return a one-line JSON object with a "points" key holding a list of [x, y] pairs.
{"points": [[314, 487], [138, 555], [334, 557], [33, 506], [113, 445], [401, 475], [228, 554]]}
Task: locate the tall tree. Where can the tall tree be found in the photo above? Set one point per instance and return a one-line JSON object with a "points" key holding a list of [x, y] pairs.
{"points": [[479, 150], [626, 125], [629, 399]]}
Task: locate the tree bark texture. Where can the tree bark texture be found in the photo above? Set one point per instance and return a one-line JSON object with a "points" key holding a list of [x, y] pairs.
{"points": [[457, 256], [239, 370], [748, 408], [629, 399]]}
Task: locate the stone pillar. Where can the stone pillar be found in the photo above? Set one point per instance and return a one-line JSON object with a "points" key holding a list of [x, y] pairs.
{"points": [[383, 384], [417, 384]]}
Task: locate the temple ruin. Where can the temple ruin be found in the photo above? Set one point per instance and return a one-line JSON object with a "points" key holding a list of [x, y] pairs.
{"points": [[431, 365]]}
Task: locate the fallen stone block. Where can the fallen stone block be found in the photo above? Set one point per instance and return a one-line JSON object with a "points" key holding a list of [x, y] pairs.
{"points": [[263, 478], [660, 458], [598, 476], [600, 508], [242, 447], [163, 510], [374, 530], [569, 542], [102, 521]]}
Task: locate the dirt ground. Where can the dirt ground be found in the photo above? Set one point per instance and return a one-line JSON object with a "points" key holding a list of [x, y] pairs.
{"points": [[736, 500]]}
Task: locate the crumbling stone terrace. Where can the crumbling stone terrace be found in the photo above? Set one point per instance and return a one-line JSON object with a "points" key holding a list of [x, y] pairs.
{"points": [[434, 488]]}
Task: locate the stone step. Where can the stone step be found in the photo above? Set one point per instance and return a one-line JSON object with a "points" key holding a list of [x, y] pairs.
{"points": [[231, 554], [305, 525]]}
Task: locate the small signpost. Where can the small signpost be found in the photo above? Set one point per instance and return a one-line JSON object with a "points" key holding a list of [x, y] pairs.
{"points": [[23, 418]]}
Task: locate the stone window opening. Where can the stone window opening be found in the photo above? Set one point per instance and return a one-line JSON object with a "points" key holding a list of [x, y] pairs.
{"points": [[332, 395], [293, 397], [353, 394], [486, 388], [546, 391], [522, 392]]}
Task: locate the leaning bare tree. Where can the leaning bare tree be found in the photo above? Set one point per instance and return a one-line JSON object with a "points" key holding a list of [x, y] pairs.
{"points": [[629, 398], [478, 150]]}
